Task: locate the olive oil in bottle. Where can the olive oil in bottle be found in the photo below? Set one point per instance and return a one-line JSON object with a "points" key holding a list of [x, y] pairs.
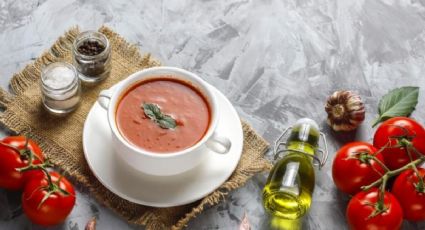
{"points": [[289, 188]]}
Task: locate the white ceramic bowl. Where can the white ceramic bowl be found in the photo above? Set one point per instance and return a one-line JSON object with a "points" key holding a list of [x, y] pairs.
{"points": [[169, 163]]}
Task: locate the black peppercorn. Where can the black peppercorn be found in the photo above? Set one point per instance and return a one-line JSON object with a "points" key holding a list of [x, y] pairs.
{"points": [[91, 47], [92, 56]]}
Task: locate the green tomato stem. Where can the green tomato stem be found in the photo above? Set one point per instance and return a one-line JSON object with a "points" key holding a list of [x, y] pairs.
{"points": [[420, 186], [392, 173], [382, 193], [51, 186], [382, 148], [381, 164], [405, 142], [45, 164], [408, 153], [418, 154]]}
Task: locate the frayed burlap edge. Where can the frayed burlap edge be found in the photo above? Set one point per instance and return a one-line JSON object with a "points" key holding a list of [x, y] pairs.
{"points": [[30, 75]]}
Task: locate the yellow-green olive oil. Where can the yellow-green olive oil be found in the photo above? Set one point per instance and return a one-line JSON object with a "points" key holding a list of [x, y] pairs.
{"points": [[289, 188]]}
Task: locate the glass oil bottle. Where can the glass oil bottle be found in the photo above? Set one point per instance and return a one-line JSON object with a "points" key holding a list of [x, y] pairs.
{"points": [[289, 188]]}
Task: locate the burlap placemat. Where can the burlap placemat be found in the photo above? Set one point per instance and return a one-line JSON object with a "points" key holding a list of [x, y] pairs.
{"points": [[61, 138]]}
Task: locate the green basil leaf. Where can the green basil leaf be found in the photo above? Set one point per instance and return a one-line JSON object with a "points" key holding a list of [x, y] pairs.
{"points": [[149, 110], [399, 102], [153, 112], [167, 122], [156, 111]]}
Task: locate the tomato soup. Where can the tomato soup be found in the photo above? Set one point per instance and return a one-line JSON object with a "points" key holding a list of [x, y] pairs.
{"points": [[176, 99]]}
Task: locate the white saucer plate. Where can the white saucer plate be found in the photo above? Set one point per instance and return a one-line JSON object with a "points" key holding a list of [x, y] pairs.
{"points": [[160, 191]]}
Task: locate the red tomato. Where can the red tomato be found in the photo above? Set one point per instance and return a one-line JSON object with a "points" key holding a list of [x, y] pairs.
{"points": [[396, 156], [411, 199], [55, 208], [19, 143], [350, 172], [362, 206], [12, 159]]}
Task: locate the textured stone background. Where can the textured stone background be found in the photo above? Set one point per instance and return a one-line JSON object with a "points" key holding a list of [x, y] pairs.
{"points": [[276, 60]]}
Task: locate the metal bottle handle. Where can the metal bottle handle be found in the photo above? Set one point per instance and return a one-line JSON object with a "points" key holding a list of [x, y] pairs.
{"points": [[320, 162]]}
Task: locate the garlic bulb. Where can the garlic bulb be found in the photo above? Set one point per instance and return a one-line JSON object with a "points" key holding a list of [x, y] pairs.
{"points": [[345, 110]]}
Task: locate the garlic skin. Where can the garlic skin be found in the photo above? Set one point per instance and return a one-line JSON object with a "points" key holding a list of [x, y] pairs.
{"points": [[346, 110]]}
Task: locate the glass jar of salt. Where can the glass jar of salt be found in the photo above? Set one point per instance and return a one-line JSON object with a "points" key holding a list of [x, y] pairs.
{"points": [[60, 88], [92, 56]]}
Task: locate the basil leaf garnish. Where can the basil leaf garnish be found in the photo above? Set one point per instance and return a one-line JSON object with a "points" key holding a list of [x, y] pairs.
{"points": [[153, 112]]}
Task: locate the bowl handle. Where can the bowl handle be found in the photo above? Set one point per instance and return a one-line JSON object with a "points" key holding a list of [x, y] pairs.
{"points": [[219, 144], [104, 98]]}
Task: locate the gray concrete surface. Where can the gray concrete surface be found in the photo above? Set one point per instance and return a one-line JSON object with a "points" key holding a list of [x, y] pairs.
{"points": [[276, 60]]}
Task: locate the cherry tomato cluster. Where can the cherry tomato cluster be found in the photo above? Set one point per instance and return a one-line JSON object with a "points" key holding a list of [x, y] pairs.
{"points": [[47, 197], [362, 170]]}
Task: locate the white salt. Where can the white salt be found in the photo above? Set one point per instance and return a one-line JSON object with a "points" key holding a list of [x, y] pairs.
{"points": [[60, 88], [59, 77]]}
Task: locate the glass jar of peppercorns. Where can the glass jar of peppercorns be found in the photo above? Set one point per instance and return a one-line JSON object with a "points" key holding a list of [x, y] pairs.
{"points": [[92, 56]]}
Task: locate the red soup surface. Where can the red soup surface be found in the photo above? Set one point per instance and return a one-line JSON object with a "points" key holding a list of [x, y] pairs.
{"points": [[174, 98]]}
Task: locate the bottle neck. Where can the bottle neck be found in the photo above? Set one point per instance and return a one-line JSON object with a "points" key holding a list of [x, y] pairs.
{"points": [[302, 147], [303, 138]]}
